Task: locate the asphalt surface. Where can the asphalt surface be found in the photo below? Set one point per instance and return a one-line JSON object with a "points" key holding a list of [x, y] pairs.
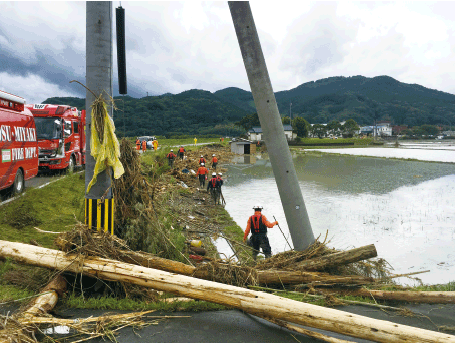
{"points": [[233, 326]]}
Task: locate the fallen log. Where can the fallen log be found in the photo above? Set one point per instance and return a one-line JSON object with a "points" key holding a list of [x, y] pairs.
{"points": [[46, 302], [37, 307], [264, 276], [427, 297], [309, 333], [315, 278], [254, 302], [338, 258]]}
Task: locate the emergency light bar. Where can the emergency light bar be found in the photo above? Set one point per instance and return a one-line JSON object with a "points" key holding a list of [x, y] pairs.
{"points": [[11, 97]]}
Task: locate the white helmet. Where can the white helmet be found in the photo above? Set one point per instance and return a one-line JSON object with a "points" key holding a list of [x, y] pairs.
{"points": [[201, 155], [171, 150], [214, 174], [213, 154], [202, 163], [220, 174], [257, 206]]}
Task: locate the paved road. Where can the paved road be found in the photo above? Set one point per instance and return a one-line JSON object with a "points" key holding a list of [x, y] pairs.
{"points": [[41, 180], [233, 326]]}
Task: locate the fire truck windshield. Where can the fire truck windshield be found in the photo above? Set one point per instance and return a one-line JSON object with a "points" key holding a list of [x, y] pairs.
{"points": [[48, 127]]}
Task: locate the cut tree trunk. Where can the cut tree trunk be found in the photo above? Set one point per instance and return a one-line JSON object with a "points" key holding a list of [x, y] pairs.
{"points": [[315, 278], [428, 297], [338, 258], [264, 276], [253, 302], [37, 307]]}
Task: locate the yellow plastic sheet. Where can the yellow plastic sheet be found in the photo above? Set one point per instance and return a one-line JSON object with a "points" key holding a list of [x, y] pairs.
{"points": [[107, 152]]}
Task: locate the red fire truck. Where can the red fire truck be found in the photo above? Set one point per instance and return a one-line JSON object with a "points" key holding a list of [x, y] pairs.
{"points": [[18, 146], [60, 133]]}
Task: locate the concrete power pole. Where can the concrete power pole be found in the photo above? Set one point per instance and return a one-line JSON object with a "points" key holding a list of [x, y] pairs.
{"points": [[99, 202], [274, 136]]}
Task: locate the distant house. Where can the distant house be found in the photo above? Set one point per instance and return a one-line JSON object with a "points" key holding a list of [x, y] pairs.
{"points": [[256, 133], [448, 133], [289, 132], [383, 129]]}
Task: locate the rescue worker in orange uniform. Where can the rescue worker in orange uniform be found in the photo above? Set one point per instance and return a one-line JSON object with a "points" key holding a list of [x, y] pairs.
{"points": [[258, 225], [202, 174], [138, 144], [181, 152], [144, 146], [171, 158], [219, 178], [214, 186], [214, 162], [202, 160]]}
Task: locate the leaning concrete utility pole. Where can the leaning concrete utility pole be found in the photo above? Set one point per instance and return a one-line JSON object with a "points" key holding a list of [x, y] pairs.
{"points": [[99, 202], [274, 136]]}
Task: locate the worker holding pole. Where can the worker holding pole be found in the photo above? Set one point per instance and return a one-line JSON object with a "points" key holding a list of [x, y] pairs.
{"points": [[258, 225]]}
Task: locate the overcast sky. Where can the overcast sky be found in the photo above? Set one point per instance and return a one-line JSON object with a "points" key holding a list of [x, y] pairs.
{"points": [[177, 46]]}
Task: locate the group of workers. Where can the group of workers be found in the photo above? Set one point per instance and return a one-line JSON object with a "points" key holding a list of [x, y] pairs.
{"points": [[257, 224], [142, 145]]}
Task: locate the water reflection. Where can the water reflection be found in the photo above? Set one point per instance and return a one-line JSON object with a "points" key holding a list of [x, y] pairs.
{"points": [[350, 174]]}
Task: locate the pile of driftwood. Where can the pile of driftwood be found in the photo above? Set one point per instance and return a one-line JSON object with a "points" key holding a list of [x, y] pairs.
{"points": [[209, 282]]}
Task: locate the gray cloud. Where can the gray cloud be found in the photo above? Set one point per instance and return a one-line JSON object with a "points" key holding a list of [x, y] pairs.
{"points": [[176, 46]]}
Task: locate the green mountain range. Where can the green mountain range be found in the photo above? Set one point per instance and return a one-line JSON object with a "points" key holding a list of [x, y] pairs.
{"points": [[199, 112]]}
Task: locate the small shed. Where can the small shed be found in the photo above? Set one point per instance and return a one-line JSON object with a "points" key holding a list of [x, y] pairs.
{"points": [[242, 146]]}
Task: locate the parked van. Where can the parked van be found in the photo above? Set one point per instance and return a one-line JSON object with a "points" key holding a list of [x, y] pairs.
{"points": [[18, 145]]}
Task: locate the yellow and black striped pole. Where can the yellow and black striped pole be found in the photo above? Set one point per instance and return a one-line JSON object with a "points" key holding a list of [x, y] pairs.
{"points": [[99, 214]]}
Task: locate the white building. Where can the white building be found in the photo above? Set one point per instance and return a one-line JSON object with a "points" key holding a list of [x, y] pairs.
{"points": [[256, 133]]}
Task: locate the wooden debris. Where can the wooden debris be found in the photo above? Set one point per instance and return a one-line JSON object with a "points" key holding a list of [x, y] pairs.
{"points": [[254, 302], [19, 328], [338, 258], [428, 297]]}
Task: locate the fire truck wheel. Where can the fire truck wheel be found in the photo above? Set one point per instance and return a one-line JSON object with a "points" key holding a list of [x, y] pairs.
{"points": [[71, 164], [18, 185]]}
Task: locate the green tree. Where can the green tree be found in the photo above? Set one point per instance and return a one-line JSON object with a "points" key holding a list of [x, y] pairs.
{"points": [[429, 130], [249, 121], [334, 126], [285, 120], [350, 127], [301, 127], [318, 130]]}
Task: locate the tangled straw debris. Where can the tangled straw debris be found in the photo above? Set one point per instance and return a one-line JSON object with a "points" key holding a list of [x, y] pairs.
{"points": [[229, 273]]}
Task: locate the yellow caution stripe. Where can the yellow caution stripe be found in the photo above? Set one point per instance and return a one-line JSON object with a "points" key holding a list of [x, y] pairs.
{"points": [[99, 214]]}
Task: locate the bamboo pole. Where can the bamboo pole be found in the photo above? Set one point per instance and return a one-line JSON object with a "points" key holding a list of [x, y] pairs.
{"points": [[254, 302], [339, 258]]}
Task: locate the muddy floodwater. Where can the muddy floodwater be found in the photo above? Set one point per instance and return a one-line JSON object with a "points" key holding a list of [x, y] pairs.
{"points": [[405, 208]]}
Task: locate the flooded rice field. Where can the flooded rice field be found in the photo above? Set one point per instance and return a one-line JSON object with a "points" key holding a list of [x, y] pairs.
{"points": [[405, 208]]}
